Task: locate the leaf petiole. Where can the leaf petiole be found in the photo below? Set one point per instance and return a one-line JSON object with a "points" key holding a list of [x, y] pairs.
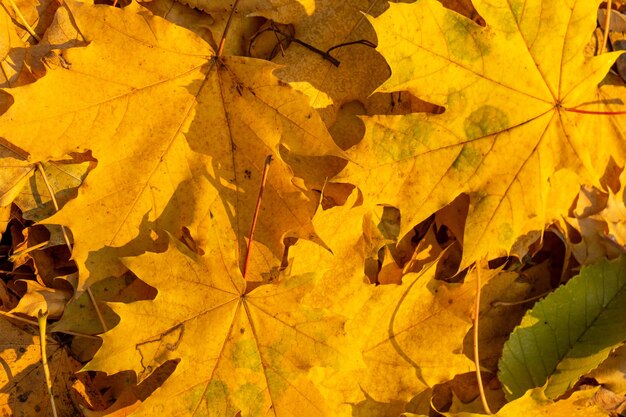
{"points": [[41, 318], [479, 377], [220, 48], [607, 24], [268, 160], [604, 113]]}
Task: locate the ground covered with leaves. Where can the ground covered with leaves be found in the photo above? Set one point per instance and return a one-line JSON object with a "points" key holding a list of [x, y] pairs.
{"points": [[312, 208]]}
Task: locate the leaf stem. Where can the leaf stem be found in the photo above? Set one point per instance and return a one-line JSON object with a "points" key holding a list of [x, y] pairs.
{"points": [[27, 250], [54, 202], [359, 42], [27, 26], [34, 323], [69, 245], [103, 324], [268, 160], [479, 377], [325, 55], [220, 48], [41, 318], [518, 302], [607, 23], [605, 113]]}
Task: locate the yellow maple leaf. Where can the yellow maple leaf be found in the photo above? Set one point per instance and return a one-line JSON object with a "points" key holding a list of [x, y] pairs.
{"points": [[513, 91], [240, 350], [166, 120]]}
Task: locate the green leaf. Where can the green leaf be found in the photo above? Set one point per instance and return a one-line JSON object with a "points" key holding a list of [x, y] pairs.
{"points": [[567, 334]]}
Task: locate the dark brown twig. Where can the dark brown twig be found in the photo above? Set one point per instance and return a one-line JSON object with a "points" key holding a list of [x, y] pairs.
{"points": [[359, 42], [325, 55]]}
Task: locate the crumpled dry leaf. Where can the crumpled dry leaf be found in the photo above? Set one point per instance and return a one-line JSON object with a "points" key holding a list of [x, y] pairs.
{"points": [[612, 372], [600, 222], [38, 298]]}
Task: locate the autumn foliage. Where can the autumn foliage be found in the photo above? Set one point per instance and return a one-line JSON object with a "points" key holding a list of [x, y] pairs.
{"points": [[441, 228]]}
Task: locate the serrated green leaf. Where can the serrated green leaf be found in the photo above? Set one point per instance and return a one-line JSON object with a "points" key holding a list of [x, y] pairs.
{"points": [[568, 333]]}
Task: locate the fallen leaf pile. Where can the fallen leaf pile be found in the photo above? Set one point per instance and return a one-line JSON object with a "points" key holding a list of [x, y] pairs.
{"points": [[312, 208]]}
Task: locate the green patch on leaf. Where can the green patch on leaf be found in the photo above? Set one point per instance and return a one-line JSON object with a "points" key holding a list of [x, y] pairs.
{"points": [[246, 355], [404, 140], [517, 8], [505, 232], [245, 395], [484, 121], [469, 158], [459, 29]]}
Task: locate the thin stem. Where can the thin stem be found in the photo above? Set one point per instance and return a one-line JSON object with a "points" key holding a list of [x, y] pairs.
{"points": [[41, 318], [24, 21], [606, 113], [69, 245], [35, 323], [516, 303], [103, 324], [18, 318], [220, 49], [479, 377], [27, 250], [607, 23], [268, 160], [2, 271], [324, 55], [54, 202], [280, 41], [359, 42]]}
